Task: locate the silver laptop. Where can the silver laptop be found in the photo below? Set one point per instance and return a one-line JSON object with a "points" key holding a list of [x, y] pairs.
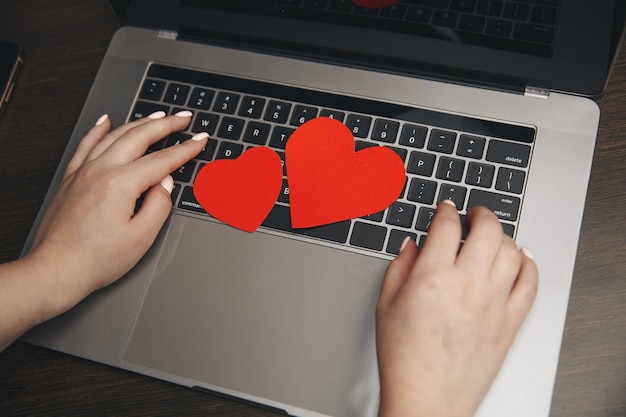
{"points": [[487, 102]]}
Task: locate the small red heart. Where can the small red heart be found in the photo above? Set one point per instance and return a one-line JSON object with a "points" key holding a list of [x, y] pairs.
{"points": [[330, 182], [240, 192]]}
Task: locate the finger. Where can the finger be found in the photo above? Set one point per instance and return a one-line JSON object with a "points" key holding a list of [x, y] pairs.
{"points": [[444, 236], [150, 169], [86, 145], [153, 212], [483, 241], [397, 272], [105, 143], [524, 290], [134, 143], [506, 267]]}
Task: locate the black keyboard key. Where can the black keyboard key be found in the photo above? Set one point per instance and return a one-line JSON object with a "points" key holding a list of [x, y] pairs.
{"points": [[302, 114], [277, 111], [231, 128], [185, 172], [445, 19], [441, 141], [508, 153], [152, 90], [544, 15], [516, 11], [490, 7], [396, 237], [280, 219], [176, 94], [229, 150], [376, 217], [361, 144], [206, 154], [421, 163], [471, 146], [257, 133], [450, 169], [252, 107], [205, 122], [454, 193], [424, 218], [480, 174], [533, 33], [201, 98], [226, 102], [188, 201], [369, 236], [395, 11], [413, 135], [422, 191], [359, 125], [510, 180], [144, 109], [283, 197], [465, 6], [176, 138], [280, 135], [385, 130], [505, 207], [509, 229], [499, 27], [401, 214], [419, 14], [333, 114], [401, 152], [472, 23]]}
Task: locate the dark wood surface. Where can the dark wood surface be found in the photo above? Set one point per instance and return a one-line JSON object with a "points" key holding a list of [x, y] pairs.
{"points": [[63, 43]]}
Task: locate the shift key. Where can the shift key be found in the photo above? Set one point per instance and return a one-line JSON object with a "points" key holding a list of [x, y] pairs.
{"points": [[505, 207]]}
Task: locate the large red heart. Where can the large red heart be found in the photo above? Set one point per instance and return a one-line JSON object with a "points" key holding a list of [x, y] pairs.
{"points": [[240, 192], [330, 182]]}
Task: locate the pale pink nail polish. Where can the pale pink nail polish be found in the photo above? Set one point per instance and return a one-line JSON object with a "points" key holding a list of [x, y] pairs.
{"points": [[157, 115], [527, 253], [168, 183], [200, 136], [184, 113], [102, 119], [449, 202], [404, 243]]}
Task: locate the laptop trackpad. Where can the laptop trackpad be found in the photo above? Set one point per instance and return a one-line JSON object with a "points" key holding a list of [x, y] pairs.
{"points": [[264, 316]]}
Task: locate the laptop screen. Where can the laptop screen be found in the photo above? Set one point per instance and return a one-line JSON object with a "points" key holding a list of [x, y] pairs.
{"points": [[502, 44]]}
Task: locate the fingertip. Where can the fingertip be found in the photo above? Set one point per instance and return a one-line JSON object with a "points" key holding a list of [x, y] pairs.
{"points": [[102, 119], [168, 184], [527, 253]]}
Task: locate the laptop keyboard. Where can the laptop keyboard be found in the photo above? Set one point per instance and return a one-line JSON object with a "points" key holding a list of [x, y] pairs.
{"points": [[470, 161]]}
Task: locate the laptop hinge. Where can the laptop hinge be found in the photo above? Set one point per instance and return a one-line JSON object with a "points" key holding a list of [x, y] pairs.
{"points": [[537, 92], [167, 34]]}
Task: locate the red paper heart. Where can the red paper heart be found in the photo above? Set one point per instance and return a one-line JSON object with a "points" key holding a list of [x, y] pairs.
{"points": [[330, 182], [240, 192]]}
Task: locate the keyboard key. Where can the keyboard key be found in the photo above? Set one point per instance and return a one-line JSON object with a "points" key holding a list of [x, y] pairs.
{"points": [[226, 102], [385, 130], [206, 154], [176, 94], [231, 128], [424, 218], [280, 134], [333, 114], [422, 191], [533, 33], [283, 197], [252, 107], [421, 163], [454, 193], [185, 172], [277, 111], [419, 14], [441, 141], [396, 237], [465, 6], [144, 109], [152, 90], [508, 153], [401, 214], [302, 114], [229, 150], [376, 217], [400, 151], [498, 27], [480, 174], [450, 169], [359, 125], [369, 236], [188, 201], [395, 11], [490, 7], [176, 138], [505, 207], [201, 98], [257, 133], [280, 219], [544, 15], [510, 180], [471, 146], [472, 23], [516, 11], [445, 19], [413, 135], [205, 122]]}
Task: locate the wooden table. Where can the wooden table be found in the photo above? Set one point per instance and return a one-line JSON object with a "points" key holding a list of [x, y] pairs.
{"points": [[64, 42]]}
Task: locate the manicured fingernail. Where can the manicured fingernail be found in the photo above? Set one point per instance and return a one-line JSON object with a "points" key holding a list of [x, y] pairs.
{"points": [[449, 202], [102, 119], [200, 136], [404, 243], [157, 115], [168, 183], [184, 113], [527, 253]]}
